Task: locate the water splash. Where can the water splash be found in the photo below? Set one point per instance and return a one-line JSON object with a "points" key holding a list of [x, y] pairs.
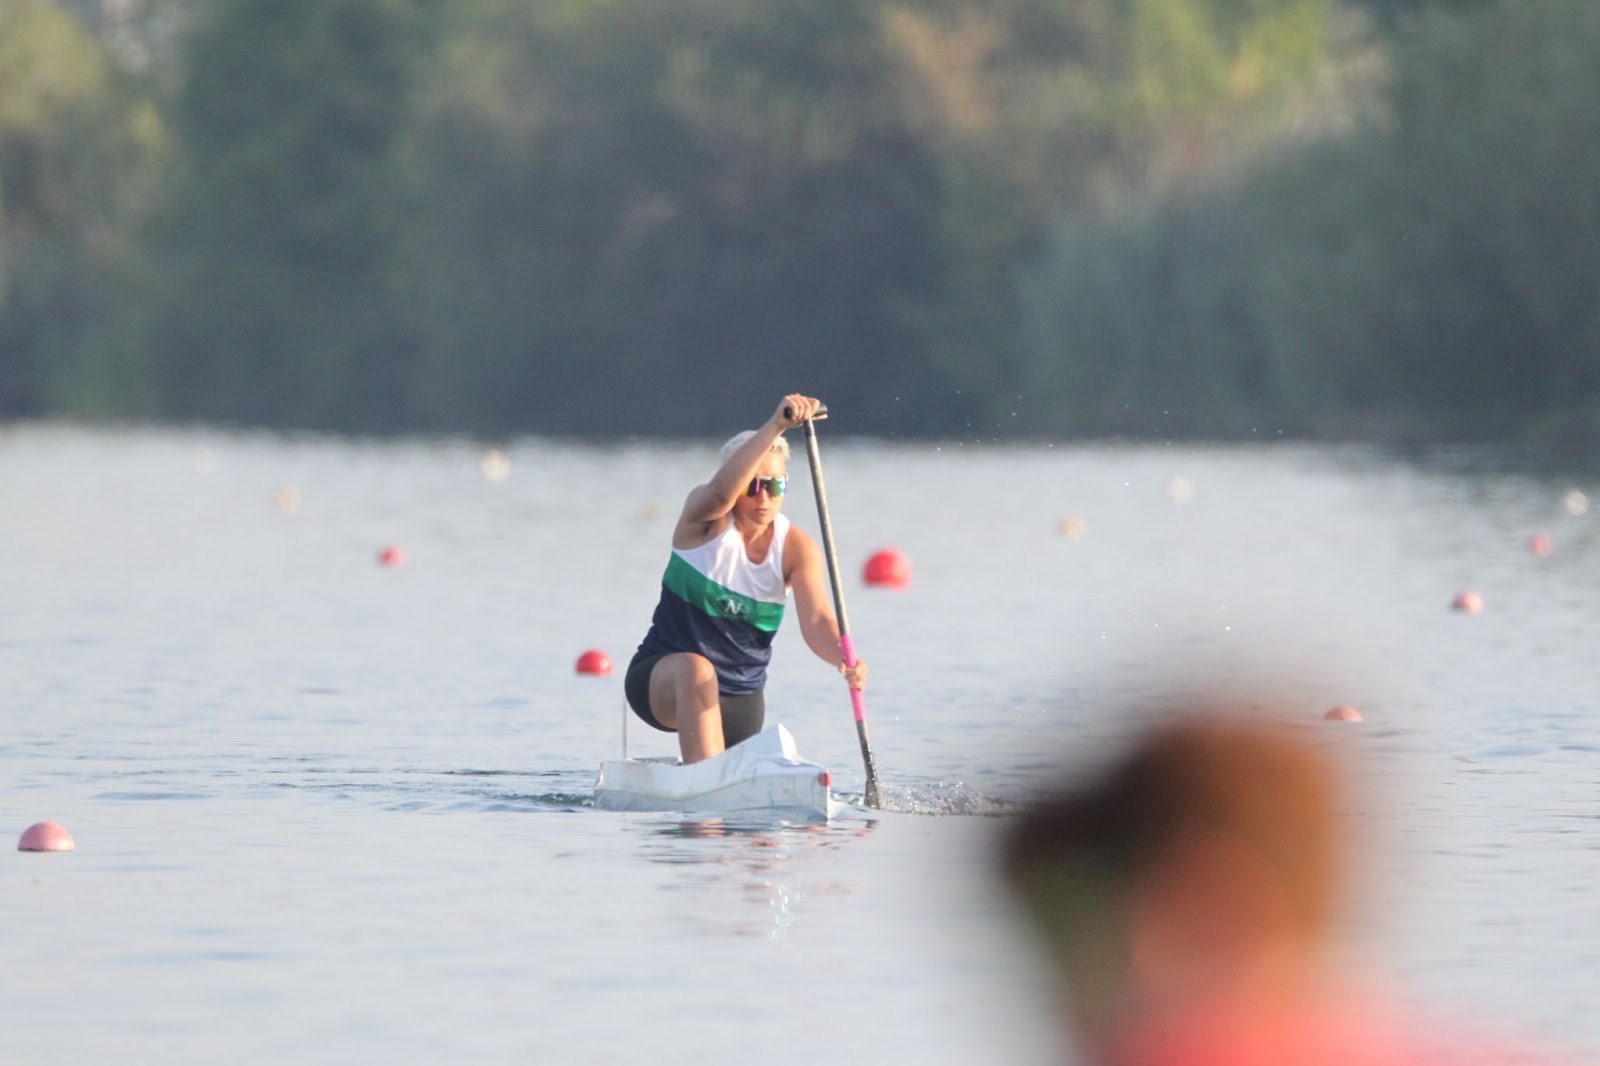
{"points": [[937, 798], [570, 790]]}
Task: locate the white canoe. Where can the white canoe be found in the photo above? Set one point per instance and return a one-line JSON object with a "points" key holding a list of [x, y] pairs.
{"points": [[763, 775]]}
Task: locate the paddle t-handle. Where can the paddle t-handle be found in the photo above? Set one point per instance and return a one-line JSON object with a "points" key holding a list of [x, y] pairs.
{"points": [[822, 412], [847, 648]]}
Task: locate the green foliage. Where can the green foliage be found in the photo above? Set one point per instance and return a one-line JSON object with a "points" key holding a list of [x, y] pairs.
{"points": [[1393, 15], [1061, 217], [702, 200], [271, 301], [76, 157], [1432, 273], [1113, 105]]}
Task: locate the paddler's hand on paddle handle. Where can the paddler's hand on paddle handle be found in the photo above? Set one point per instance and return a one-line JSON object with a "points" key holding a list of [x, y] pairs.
{"points": [[796, 410], [855, 675]]}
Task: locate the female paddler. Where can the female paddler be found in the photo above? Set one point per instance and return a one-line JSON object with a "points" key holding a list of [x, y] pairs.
{"points": [[701, 668]]}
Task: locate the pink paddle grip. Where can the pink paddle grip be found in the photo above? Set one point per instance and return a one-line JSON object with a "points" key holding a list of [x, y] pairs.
{"points": [[858, 703]]}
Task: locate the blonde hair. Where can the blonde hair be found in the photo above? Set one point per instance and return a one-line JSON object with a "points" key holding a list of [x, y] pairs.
{"points": [[780, 446]]}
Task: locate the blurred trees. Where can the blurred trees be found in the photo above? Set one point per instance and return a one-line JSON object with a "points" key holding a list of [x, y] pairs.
{"points": [[647, 216], [1044, 112], [78, 155], [270, 298], [1058, 217], [1431, 273]]}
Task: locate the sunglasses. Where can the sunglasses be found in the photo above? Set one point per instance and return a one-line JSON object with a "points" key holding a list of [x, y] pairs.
{"points": [[775, 486]]}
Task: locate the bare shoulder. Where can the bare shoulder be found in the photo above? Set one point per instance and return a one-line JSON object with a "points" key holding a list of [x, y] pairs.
{"points": [[799, 552], [699, 522]]}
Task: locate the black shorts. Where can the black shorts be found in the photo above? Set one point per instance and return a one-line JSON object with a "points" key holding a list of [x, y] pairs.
{"points": [[743, 714]]}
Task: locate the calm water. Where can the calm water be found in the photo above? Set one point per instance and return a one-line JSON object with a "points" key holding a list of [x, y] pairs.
{"points": [[332, 812]]}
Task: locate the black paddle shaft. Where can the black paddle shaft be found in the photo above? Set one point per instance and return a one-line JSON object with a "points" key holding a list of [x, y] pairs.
{"points": [[832, 557]]}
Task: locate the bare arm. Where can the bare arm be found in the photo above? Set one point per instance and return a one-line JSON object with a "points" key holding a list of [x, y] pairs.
{"points": [[707, 506], [804, 569]]}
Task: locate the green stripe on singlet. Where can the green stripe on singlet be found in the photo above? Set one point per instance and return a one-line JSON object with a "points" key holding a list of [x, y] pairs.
{"points": [[708, 597]]}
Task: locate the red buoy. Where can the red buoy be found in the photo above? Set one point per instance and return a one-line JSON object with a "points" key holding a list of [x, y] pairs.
{"points": [[1343, 713], [1539, 544], [596, 663], [1469, 602], [45, 836], [392, 557], [888, 569]]}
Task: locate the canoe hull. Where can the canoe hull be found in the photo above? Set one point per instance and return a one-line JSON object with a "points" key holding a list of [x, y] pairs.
{"points": [[764, 775]]}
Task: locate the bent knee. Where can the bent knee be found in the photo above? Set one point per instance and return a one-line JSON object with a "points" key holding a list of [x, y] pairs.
{"points": [[691, 667]]}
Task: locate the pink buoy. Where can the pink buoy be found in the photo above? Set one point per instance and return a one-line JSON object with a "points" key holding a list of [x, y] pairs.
{"points": [[392, 557], [594, 663], [1343, 713], [1468, 602], [1540, 544], [887, 569], [45, 836]]}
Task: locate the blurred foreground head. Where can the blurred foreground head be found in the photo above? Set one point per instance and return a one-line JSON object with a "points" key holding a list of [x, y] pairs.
{"points": [[1196, 878]]}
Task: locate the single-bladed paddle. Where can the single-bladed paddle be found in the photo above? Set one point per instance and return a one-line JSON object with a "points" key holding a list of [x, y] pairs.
{"points": [[846, 645]]}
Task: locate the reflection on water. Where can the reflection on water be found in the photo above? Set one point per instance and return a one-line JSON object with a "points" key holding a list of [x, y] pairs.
{"points": [[772, 871], [756, 831]]}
